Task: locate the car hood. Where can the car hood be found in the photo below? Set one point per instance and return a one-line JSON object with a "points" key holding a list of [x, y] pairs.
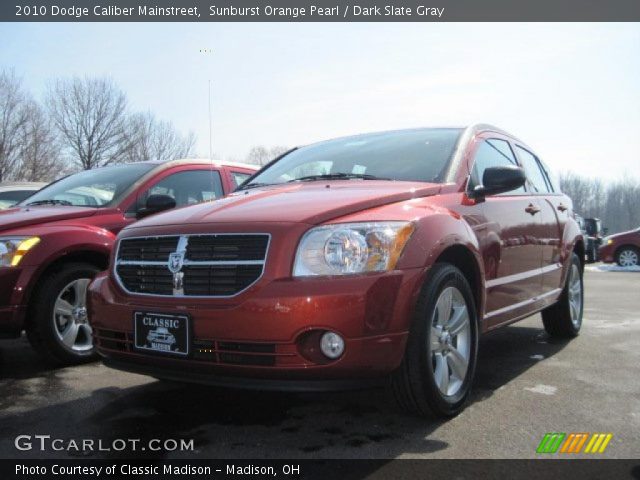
{"points": [[631, 233], [311, 203], [18, 217]]}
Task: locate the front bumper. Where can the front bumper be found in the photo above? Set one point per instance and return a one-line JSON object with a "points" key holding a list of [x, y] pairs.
{"points": [[606, 253], [172, 373], [266, 335], [12, 311]]}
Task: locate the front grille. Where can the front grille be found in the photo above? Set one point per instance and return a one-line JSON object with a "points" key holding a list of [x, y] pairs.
{"points": [[113, 340], [226, 247], [216, 265], [219, 280], [235, 353], [152, 279], [148, 249], [216, 352]]}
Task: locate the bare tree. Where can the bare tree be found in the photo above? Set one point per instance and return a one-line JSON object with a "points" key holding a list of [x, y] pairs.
{"points": [[39, 150], [616, 204], [90, 114], [13, 118], [151, 139], [260, 155]]}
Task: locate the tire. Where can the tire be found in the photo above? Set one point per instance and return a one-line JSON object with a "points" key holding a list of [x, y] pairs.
{"points": [[414, 383], [628, 256], [564, 318], [47, 324]]}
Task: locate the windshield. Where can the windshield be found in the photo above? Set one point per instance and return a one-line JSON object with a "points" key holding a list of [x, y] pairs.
{"points": [[91, 188], [420, 155]]}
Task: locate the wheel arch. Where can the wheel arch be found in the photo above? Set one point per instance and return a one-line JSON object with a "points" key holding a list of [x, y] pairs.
{"points": [[96, 257], [464, 260], [579, 249], [625, 245]]}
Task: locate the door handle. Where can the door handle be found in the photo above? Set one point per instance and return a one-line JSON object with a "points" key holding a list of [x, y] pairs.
{"points": [[562, 208], [532, 209]]}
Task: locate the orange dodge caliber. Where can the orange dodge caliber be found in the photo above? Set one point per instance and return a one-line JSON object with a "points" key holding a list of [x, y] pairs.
{"points": [[378, 258]]}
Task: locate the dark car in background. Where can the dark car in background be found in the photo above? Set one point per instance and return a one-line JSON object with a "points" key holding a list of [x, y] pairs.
{"points": [[12, 193], [54, 242], [594, 234], [622, 248]]}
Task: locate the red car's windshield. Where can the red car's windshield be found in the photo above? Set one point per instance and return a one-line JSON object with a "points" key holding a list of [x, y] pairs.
{"points": [[91, 188], [421, 155]]}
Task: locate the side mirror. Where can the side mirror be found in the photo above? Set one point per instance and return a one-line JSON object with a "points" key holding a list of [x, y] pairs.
{"points": [[499, 180], [156, 204]]}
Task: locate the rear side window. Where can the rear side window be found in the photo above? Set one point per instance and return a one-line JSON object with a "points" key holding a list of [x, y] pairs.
{"points": [[238, 178], [551, 177], [535, 174], [492, 152]]}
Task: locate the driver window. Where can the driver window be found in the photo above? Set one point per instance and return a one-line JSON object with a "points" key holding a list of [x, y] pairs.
{"points": [[492, 152], [187, 188]]}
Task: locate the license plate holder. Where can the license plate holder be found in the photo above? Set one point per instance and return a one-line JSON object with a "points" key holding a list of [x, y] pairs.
{"points": [[162, 333]]}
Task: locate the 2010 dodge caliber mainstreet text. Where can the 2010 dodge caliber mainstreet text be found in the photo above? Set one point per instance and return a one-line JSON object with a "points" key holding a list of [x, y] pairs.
{"points": [[376, 257]]}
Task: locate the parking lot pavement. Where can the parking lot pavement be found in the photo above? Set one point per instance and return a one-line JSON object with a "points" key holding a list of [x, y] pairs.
{"points": [[527, 385]]}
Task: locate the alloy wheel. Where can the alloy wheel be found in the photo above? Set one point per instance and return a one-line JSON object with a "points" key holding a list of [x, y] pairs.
{"points": [[450, 345], [575, 295], [628, 258], [70, 317]]}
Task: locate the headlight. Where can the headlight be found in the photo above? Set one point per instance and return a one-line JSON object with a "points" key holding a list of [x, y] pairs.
{"points": [[609, 241], [12, 249], [348, 248]]}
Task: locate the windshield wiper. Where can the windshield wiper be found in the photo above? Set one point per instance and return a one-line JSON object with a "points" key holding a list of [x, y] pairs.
{"points": [[338, 176], [311, 178], [50, 201], [249, 186]]}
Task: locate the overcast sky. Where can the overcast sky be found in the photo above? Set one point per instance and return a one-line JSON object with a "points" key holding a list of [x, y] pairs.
{"points": [[571, 91]]}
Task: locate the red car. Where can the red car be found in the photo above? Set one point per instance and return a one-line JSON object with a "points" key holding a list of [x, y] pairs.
{"points": [[622, 248], [54, 242], [346, 262]]}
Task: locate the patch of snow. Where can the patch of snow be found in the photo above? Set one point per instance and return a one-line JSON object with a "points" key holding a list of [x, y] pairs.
{"points": [[611, 268], [543, 389]]}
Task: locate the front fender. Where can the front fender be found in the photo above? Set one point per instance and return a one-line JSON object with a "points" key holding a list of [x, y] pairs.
{"points": [[572, 239], [438, 229], [57, 242]]}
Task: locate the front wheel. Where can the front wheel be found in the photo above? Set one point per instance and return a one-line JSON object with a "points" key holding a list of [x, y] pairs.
{"points": [[59, 328], [564, 319], [437, 371]]}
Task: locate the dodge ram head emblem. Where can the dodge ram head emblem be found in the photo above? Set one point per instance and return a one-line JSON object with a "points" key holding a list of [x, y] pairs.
{"points": [[175, 261]]}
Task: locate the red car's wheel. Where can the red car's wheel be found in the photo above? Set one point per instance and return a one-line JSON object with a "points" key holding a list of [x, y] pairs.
{"points": [[564, 319], [440, 359], [59, 328], [628, 257]]}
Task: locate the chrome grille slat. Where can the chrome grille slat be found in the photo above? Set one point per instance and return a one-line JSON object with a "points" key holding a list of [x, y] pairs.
{"points": [[210, 265], [141, 250]]}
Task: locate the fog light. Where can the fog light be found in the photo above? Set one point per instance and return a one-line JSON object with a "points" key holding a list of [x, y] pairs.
{"points": [[332, 345]]}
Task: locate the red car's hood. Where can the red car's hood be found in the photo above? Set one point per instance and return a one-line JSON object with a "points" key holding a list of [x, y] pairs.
{"points": [[624, 235], [17, 217], [312, 203]]}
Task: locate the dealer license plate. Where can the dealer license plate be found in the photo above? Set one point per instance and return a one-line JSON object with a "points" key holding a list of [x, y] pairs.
{"points": [[162, 333]]}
